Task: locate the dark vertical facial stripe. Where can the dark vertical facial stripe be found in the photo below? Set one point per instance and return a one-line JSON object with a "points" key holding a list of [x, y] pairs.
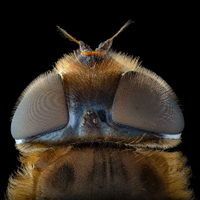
{"points": [[107, 168], [98, 173]]}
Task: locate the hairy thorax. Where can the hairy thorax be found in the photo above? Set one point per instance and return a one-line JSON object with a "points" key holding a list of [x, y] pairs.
{"points": [[103, 172]]}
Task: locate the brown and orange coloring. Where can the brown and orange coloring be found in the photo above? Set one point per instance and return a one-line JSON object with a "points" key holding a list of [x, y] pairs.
{"points": [[95, 157]]}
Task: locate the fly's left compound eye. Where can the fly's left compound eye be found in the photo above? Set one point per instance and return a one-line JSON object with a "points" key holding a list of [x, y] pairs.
{"points": [[42, 108], [144, 101]]}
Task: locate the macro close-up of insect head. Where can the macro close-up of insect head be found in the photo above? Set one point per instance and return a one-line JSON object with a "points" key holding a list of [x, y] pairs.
{"points": [[98, 125]]}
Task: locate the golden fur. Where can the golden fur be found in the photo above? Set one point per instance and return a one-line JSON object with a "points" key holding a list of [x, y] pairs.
{"points": [[170, 172]]}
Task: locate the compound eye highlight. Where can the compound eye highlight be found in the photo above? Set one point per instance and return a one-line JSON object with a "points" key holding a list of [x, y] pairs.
{"points": [[42, 108], [145, 101]]}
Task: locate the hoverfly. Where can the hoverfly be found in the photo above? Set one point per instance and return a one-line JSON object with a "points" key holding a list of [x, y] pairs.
{"points": [[99, 126]]}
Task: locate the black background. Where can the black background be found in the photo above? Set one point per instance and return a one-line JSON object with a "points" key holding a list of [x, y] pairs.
{"points": [[163, 36]]}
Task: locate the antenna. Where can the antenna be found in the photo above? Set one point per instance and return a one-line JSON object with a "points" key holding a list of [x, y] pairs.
{"points": [[67, 35], [102, 48], [121, 29]]}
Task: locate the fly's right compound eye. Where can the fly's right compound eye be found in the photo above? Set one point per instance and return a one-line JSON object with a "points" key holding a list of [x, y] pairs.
{"points": [[146, 102]]}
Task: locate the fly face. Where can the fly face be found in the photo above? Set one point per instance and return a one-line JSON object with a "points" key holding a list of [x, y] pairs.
{"points": [[91, 129]]}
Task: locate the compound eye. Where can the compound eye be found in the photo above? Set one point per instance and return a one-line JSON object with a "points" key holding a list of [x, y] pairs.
{"points": [[145, 101], [42, 108]]}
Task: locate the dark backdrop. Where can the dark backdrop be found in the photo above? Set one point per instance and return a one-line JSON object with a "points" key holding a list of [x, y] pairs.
{"points": [[163, 36]]}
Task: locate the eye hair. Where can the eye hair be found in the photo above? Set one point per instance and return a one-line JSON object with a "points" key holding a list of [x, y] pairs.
{"points": [[27, 89]]}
